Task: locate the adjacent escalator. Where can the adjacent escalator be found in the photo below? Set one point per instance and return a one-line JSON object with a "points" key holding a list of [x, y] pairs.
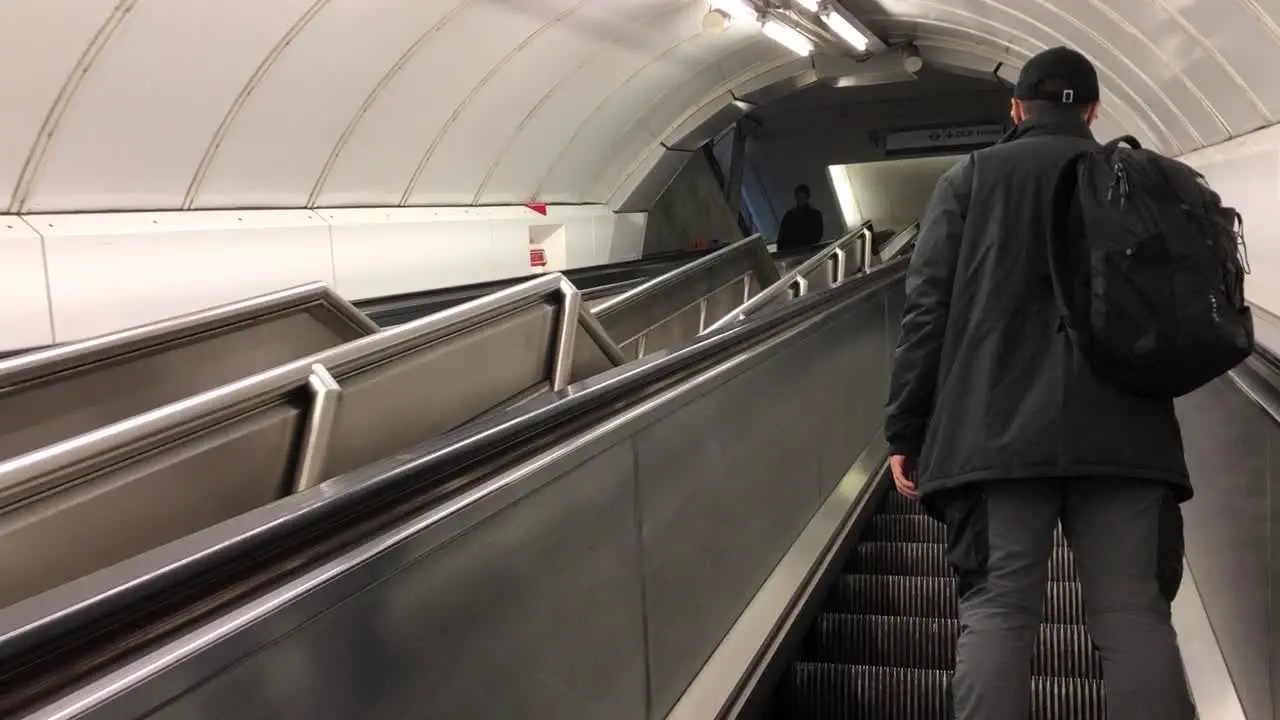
{"points": [[884, 643]]}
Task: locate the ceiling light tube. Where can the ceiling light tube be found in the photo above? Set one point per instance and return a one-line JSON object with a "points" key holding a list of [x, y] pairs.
{"points": [[810, 5], [841, 26], [788, 37], [737, 9]]}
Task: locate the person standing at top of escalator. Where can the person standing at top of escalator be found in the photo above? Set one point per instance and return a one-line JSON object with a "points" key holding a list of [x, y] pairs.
{"points": [[801, 225], [1000, 426]]}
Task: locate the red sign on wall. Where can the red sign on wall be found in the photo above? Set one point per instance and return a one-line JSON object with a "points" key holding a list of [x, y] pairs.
{"points": [[537, 257]]}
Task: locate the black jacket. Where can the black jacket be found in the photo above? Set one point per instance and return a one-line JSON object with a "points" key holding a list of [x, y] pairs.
{"points": [[986, 385], [800, 226]]}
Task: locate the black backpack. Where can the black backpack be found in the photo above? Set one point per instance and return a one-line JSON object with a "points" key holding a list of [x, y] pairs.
{"points": [[1148, 271]]}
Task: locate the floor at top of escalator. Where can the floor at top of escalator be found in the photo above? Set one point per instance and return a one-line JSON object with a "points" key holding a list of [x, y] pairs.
{"points": [[883, 647]]}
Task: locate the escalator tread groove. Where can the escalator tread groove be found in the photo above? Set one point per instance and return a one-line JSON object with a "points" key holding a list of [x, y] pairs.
{"points": [[930, 560], [935, 597], [930, 644], [828, 691], [887, 527], [883, 645]]}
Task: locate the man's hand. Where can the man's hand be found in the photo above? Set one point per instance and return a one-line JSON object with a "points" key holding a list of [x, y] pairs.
{"points": [[904, 476]]}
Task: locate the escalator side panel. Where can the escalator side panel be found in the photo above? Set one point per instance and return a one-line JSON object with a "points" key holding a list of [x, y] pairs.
{"points": [[67, 404], [533, 614], [591, 582], [724, 301], [630, 318], [63, 535], [865, 384], [588, 359], [145, 498], [1232, 548], [745, 461], [672, 331], [396, 405]]}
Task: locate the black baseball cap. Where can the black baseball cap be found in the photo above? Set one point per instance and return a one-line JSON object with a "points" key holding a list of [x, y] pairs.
{"points": [[1059, 75]]}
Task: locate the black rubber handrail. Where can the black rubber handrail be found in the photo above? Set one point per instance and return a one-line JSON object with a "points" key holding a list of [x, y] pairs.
{"points": [[169, 589]]}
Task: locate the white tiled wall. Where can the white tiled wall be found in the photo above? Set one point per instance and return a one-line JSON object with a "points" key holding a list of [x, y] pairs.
{"points": [[65, 277]]}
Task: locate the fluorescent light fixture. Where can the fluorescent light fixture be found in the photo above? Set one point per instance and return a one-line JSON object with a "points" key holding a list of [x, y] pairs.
{"points": [[810, 5], [841, 26], [788, 37], [737, 9]]}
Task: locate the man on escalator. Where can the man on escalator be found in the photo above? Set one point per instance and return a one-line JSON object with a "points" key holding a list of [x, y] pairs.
{"points": [[1002, 429], [801, 225]]}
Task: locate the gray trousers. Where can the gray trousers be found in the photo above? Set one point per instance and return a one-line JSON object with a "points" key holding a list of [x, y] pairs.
{"points": [[1126, 536]]}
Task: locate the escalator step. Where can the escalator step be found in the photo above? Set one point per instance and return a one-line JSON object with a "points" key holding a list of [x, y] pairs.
{"points": [[895, 504], [820, 691], [930, 644], [929, 560], [918, 529], [935, 597]]}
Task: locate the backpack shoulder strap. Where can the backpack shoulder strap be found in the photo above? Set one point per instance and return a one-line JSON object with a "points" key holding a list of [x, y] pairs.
{"points": [[1062, 227]]}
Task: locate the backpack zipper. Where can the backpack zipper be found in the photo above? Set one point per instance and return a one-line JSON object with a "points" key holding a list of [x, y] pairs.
{"points": [[1120, 181]]}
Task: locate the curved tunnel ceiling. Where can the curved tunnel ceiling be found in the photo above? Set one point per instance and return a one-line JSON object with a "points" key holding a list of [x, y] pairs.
{"points": [[189, 104]]}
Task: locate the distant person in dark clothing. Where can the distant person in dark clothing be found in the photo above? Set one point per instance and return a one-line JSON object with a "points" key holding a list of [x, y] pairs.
{"points": [[802, 225]]}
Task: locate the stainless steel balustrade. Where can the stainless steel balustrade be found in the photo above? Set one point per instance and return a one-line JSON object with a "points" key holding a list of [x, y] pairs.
{"points": [[581, 562], [59, 392], [91, 501], [675, 307], [899, 244], [839, 261]]}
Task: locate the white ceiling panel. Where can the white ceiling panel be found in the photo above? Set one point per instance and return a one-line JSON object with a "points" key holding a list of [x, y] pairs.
{"points": [[41, 44], [703, 88], [381, 158], [543, 136], [132, 105], [151, 99], [458, 162], [278, 142], [625, 109]]}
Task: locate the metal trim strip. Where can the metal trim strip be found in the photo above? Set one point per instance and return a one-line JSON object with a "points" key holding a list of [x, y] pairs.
{"points": [[735, 670]]}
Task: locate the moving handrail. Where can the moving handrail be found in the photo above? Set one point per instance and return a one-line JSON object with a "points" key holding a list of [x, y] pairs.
{"points": [[184, 572], [709, 286], [834, 258], [58, 392]]}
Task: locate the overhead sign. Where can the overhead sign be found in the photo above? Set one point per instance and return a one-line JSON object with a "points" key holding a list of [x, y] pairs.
{"points": [[943, 138]]}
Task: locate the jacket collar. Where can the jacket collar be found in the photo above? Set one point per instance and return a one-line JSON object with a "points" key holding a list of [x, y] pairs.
{"points": [[1055, 122]]}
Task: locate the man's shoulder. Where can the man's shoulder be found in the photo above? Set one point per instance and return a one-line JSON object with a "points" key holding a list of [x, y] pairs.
{"points": [[1048, 147]]}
